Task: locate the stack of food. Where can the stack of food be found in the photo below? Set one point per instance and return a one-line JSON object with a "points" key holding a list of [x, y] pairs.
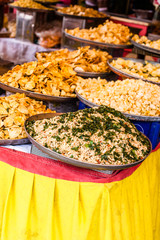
{"points": [[28, 4], [109, 32], [55, 79], [82, 60], [145, 70], [128, 96], [146, 42], [78, 10], [14, 110], [96, 135]]}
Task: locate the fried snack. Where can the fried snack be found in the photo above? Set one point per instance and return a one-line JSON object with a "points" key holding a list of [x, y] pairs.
{"points": [[146, 42], [109, 32], [55, 79], [82, 60], [28, 4], [146, 71], [128, 96], [78, 10], [14, 110], [96, 135]]}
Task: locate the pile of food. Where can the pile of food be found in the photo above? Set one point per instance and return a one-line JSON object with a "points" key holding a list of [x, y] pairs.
{"points": [[14, 110], [55, 79], [28, 4], [82, 11], [82, 60], [96, 135], [147, 71], [129, 96], [109, 32], [146, 42]]}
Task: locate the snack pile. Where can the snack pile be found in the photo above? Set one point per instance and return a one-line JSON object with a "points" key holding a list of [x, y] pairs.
{"points": [[146, 71], [146, 42], [14, 110], [55, 79], [109, 32], [82, 60], [96, 135], [28, 4], [81, 11], [128, 96]]}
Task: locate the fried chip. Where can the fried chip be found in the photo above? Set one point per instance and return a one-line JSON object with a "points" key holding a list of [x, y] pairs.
{"points": [[14, 110], [41, 77]]}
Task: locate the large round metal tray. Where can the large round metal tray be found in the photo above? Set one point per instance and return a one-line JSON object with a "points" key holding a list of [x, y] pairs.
{"points": [[80, 17], [99, 44], [36, 95], [31, 9], [47, 3], [86, 74], [130, 116], [14, 141], [123, 74], [145, 48], [72, 161]]}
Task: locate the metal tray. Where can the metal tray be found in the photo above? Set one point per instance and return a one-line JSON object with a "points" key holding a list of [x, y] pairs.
{"points": [[123, 74], [47, 3], [14, 141], [99, 44], [145, 48], [80, 17], [72, 161], [93, 74], [31, 9], [36, 95], [130, 116]]}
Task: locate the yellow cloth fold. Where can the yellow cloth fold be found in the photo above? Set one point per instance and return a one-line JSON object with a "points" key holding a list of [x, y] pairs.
{"points": [[42, 208]]}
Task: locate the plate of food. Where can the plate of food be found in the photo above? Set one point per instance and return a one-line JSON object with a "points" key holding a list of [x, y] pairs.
{"points": [[42, 80], [96, 138], [29, 5], [108, 35], [14, 110], [81, 12], [86, 62], [146, 44], [136, 68], [136, 99]]}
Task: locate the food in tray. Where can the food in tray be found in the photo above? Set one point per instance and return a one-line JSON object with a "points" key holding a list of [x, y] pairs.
{"points": [[28, 4], [96, 135], [128, 96], [14, 110], [55, 79], [145, 70], [146, 42], [78, 10], [82, 60], [108, 32]]}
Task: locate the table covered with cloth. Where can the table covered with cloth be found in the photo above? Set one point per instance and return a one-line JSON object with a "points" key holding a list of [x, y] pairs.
{"points": [[43, 199]]}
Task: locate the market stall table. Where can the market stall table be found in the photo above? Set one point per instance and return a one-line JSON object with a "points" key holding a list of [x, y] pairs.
{"points": [[46, 199]]}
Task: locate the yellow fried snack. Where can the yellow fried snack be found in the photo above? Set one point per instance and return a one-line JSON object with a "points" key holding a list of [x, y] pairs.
{"points": [[14, 110], [147, 70], [28, 4], [128, 96], [82, 11], [55, 79], [82, 60], [109, 32], [146, 42]]}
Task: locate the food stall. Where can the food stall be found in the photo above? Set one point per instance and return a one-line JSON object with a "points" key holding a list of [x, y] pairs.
{"points": [[79, 132]]}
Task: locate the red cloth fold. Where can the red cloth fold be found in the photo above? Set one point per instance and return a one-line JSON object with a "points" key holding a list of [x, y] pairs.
{"points": [[58, 170]]}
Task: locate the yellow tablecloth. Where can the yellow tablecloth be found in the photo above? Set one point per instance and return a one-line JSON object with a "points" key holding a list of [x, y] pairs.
{"points": [[44, 203]]}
